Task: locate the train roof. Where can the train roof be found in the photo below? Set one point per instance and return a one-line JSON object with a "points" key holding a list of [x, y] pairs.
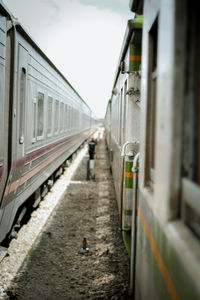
{"points": [[20, 28], [136, 6], [133, 25], [4, 10]]}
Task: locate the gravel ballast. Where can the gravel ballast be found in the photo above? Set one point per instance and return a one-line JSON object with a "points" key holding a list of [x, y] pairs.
{"points": [[45, 261]]}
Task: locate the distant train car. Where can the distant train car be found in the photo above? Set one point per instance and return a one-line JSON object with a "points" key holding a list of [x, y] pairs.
{"points": [[164, 230], [122, 120], [43, 121]]}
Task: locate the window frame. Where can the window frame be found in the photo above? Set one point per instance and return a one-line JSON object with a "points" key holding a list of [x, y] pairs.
{"points": [[22, 98], [34, 125], [66, 117], [56, 120], [62, 114], [49, 134], [40, 137], [151, 103]]}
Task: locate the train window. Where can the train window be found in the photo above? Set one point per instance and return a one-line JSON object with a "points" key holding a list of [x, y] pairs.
{"points": [[116, 118], [40, 114], [71, 118], [22, 104], [124, 114], [66, 117], [68, 113], [151, 105], [34, 119], [75, 118], [49, 115], [120, 117], [78, 119], [190, 208], [56, 116], [61, 116]]}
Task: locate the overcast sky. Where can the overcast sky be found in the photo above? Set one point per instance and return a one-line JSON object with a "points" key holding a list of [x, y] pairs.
{"points": [[83, 38]]}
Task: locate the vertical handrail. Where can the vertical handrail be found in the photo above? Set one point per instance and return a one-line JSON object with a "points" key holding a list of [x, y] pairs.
{"points": [[134, 224], [121, 193]]}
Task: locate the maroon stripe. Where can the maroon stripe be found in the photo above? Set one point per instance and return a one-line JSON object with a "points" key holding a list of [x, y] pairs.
{"points": [[17, 183], [1, 171], [22, 161], [10, 188]]}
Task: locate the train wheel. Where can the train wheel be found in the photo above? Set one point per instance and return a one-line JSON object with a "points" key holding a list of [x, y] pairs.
{"points": [[17, 225], [50, 183]]}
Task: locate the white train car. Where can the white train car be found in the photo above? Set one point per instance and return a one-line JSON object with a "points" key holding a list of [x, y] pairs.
{"points": [[43, 122], [122, 120]]}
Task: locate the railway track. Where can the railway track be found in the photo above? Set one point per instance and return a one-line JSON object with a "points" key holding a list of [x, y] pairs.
{"points": [[47, 264]]}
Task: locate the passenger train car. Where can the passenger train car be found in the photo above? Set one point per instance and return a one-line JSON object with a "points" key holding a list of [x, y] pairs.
{"points": [[43, 121], [153, 136]]}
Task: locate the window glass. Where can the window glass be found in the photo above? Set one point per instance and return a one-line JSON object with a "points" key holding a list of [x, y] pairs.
{"points": [[56, 116], [151, 105], [116, 118], [70, 118], [61, 115], [49, 115], [66, 116], [40, 114], [22, 104], [34, 119], [76, 119]]}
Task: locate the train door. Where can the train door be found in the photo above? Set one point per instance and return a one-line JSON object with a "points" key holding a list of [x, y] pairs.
{"points": [[6, 122], [3, 108], [21, 96]]}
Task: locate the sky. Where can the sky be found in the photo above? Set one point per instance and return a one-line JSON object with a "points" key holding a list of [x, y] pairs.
{"points": [[83, 38]]}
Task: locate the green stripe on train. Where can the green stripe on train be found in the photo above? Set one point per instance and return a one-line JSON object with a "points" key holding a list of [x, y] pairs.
{"points": [[135, 63], [128, 180], [128, 212]]}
